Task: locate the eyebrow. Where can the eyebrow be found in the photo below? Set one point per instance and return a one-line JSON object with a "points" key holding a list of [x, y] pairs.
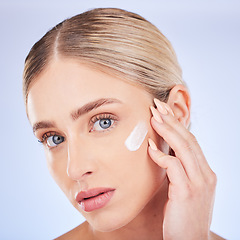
{"points": [[79, 112], [43, 124], [92, 105]]}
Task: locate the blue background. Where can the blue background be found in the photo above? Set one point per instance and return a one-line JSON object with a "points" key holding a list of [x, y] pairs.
{"points": [[206, 37]]}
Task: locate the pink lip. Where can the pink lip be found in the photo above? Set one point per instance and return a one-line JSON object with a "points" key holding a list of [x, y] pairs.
{"points": [[94, 198]]}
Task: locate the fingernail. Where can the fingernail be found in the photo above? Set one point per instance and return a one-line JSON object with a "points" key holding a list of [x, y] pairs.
{"points": [[169, 109], [160, 106], [152, 144], [156, 114]]}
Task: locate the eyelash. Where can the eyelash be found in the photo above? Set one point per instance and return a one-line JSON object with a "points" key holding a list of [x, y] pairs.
{"points": [[93, 120], [46, 135], [101, 117]]}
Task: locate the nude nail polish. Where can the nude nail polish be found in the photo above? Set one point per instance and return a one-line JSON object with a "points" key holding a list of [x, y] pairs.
{"points": [[169, 109], [160, 106], [156, 114], [152, 144]]}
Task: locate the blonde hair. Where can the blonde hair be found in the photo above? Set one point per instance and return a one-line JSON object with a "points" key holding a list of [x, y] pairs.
{"points": [[116, 40]]}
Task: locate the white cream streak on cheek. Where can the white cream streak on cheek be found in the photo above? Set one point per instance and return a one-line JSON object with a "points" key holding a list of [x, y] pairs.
{"points": [[136, 137]]}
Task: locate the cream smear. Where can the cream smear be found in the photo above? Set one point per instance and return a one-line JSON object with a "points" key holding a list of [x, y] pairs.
{"points": [[136, 137]]}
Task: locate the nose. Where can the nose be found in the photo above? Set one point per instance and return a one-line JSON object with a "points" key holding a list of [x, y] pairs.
{"points": [[81, 161]]}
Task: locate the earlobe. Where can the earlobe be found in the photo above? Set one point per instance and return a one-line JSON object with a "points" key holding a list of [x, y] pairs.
{"points": [[180, 102]]}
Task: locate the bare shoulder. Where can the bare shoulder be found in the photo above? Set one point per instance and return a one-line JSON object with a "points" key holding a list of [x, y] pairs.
{"points": [[78, 233], [214, 236]]}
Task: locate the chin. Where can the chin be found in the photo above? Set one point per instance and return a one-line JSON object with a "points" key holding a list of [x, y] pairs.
{"points": [[108, 221], [107, 227]]}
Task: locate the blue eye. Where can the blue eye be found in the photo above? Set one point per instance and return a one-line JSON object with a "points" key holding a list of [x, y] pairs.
{"points": [[102, 124], [54, 140]]}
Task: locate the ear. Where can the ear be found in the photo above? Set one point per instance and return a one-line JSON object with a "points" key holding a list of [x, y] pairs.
{"points": [[180, 102]]}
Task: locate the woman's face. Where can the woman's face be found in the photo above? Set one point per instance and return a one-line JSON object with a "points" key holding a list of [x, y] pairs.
{"points": [[84, 116]]}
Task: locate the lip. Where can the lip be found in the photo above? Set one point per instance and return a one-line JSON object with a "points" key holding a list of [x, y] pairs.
{"points": [[95, 198]]}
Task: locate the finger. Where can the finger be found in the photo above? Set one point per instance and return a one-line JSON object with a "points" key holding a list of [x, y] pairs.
{"points": [[174, 169], [180, 146], [187, 135]]}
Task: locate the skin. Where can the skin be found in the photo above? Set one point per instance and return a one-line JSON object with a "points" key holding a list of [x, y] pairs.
{"points": [[144, 205]]}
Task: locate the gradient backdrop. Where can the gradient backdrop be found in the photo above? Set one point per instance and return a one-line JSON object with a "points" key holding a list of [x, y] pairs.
{"points": [[206, 37]]}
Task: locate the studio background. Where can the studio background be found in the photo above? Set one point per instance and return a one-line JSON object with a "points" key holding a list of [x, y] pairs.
{"points": [[206, 37]]}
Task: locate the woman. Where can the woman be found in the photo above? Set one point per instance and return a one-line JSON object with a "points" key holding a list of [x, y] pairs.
{"points": [[104, 94]]}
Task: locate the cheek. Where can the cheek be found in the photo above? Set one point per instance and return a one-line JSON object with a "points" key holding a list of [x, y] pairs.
{"points": [[57, 166], [140, 167], [124, 147], [127, 155], [136, 137]]}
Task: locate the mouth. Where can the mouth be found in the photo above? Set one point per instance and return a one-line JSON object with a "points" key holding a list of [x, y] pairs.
{"points": [[94, 199]]}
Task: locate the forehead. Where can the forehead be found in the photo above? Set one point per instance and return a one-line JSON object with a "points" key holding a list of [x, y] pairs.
{"points": [[68, 84]]}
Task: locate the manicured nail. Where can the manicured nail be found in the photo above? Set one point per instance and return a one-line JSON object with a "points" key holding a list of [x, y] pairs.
{"points": [[156, 114], [169, 109], [152, 144], [160, 106]]}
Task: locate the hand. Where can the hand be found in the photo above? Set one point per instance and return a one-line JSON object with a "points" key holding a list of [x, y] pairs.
{"points": [[188, 210]]}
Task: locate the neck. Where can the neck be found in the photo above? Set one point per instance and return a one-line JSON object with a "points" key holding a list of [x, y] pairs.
{"points": [[147, 225]]}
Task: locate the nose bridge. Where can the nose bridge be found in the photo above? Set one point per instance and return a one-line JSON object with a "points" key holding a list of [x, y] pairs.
{"points": [[80, 159]]}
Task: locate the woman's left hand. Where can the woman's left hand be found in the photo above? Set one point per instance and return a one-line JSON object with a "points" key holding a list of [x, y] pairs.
{"points": [[188, 210]]}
